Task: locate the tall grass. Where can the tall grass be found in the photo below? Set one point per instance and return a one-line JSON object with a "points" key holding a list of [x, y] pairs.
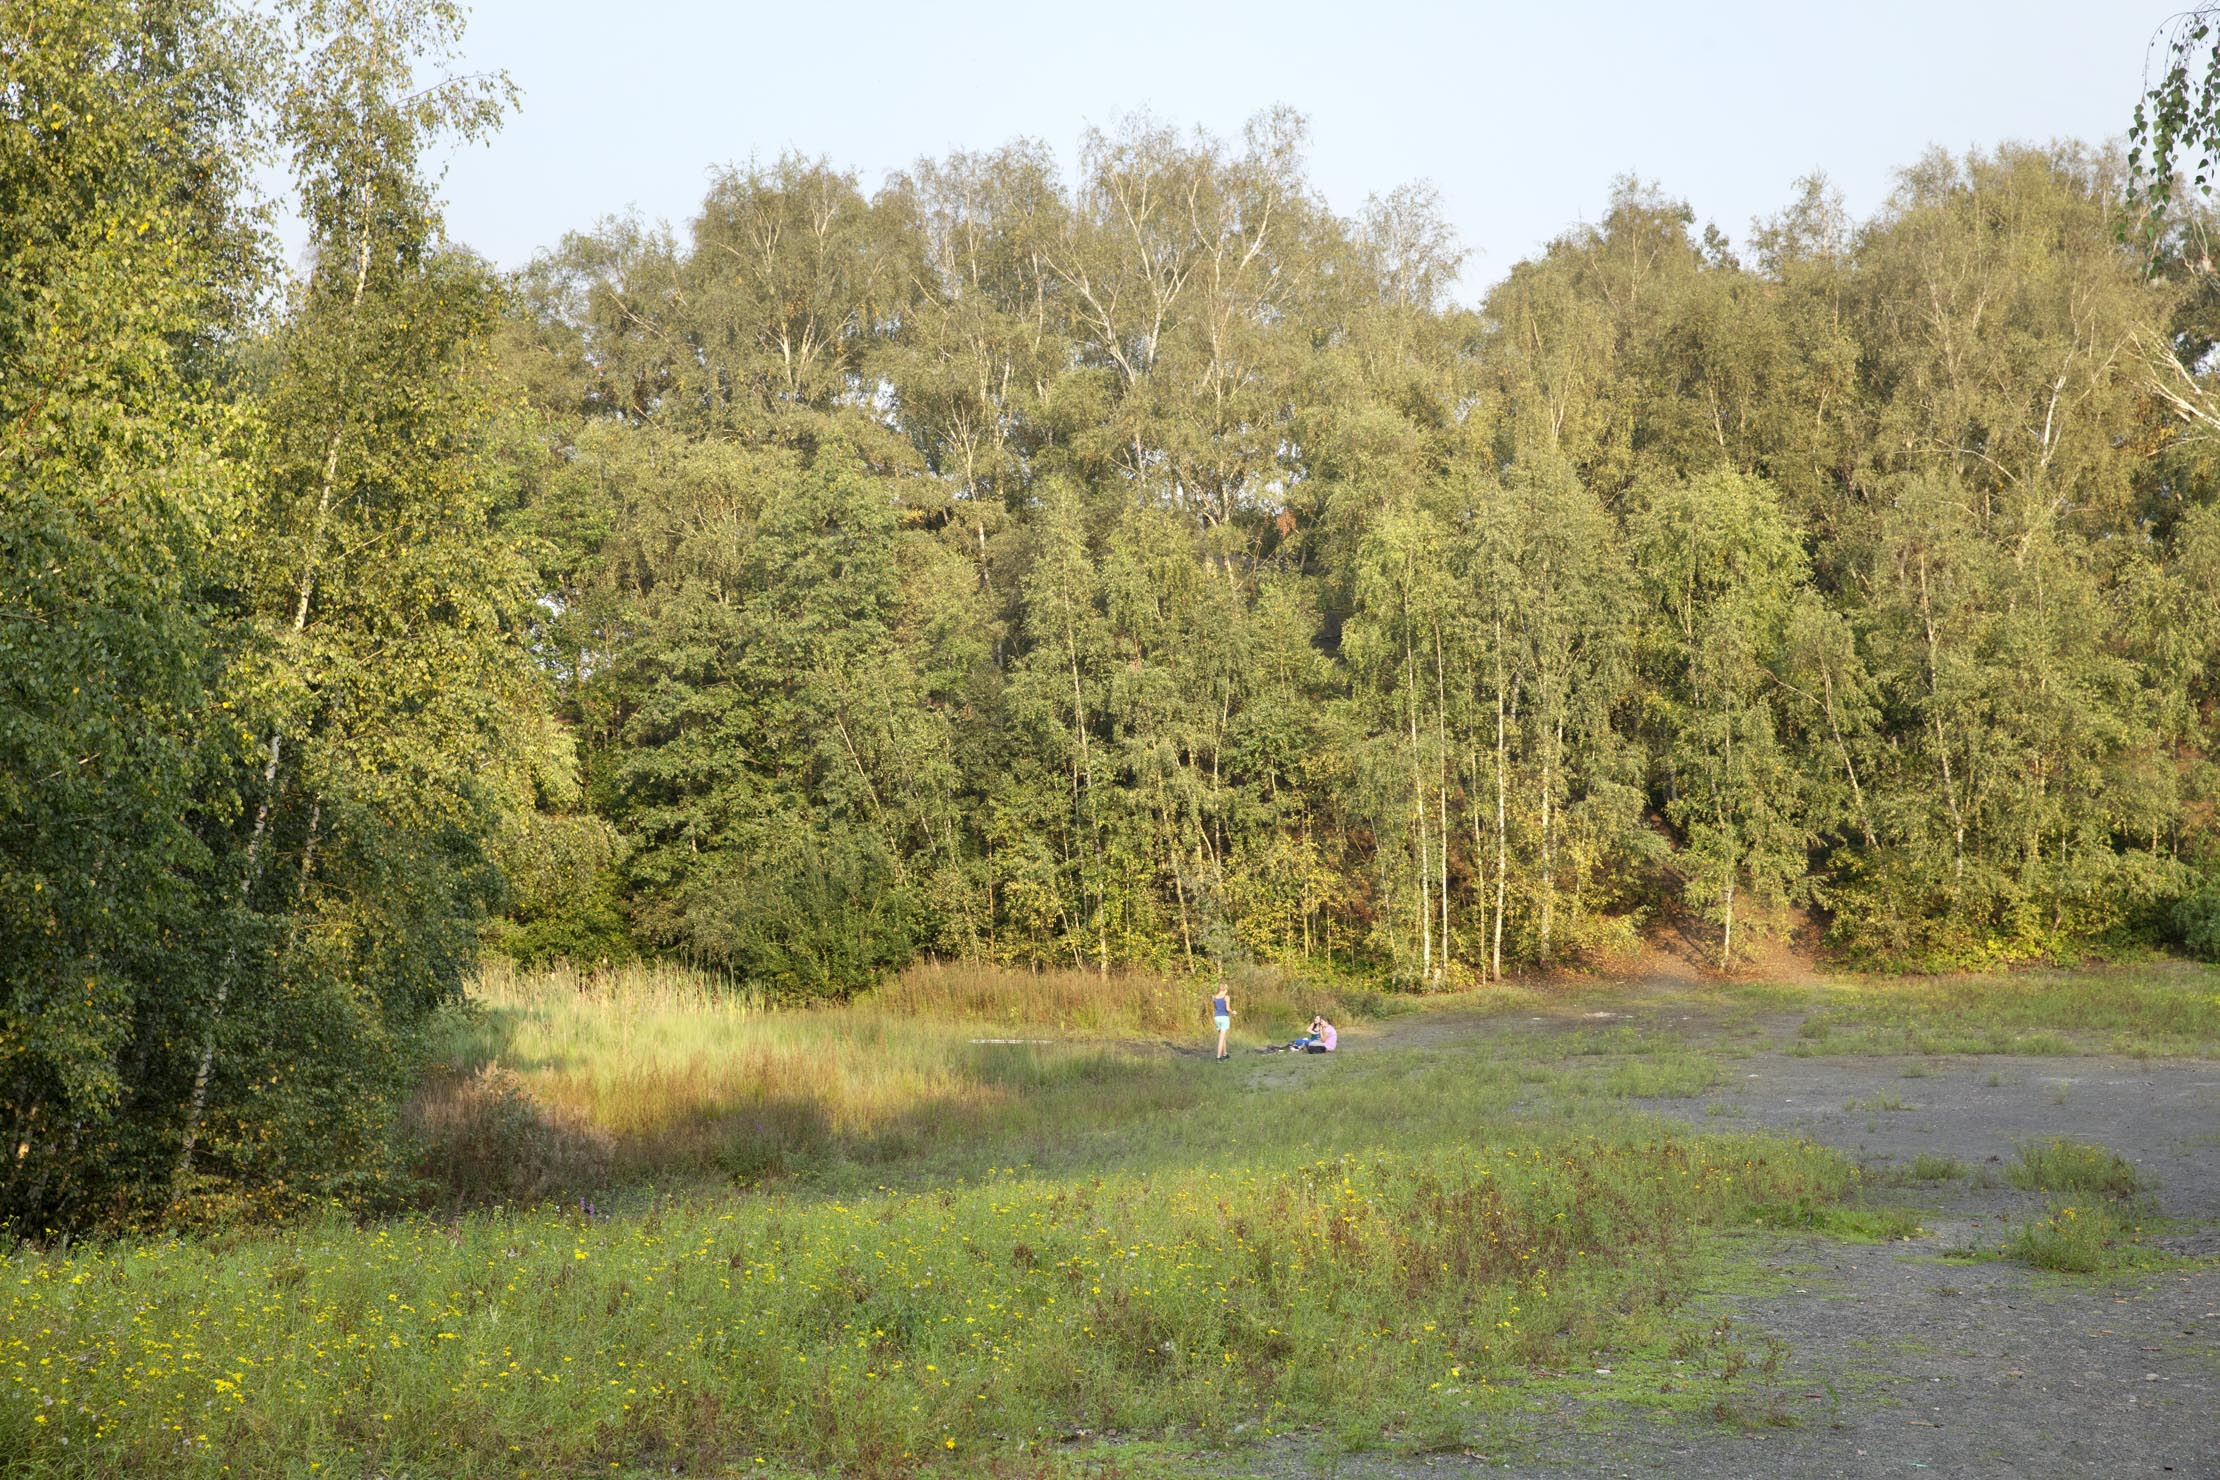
{"points": [[953, 1254], [2079, 1238], [556, 1083], [1268, 1003], [2060, 1165]]}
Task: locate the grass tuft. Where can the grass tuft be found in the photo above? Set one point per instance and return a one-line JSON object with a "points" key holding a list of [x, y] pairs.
{"points": [[2060, 1165], [2078, 1238], [1121, 1003]]}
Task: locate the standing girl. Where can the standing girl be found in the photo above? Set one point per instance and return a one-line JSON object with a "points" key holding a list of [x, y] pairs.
{"points": [[1221, 1013]]}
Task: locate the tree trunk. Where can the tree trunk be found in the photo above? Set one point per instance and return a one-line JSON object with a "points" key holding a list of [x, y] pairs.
{"points": [[204, 1071], [1726, 939], [1934, 713], [1418, 815], [1549, 842], [1083, 781], [1502, 760], [1479, 849], [1865, 821], [1441, 741]]}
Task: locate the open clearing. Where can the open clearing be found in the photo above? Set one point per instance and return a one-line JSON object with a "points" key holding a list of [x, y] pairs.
{"points": [[1922, 1354], [1668, 1227]]}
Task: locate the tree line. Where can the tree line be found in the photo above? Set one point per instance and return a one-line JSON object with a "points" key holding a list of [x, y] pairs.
{"points": [[1156, 567], [1151, 567]]}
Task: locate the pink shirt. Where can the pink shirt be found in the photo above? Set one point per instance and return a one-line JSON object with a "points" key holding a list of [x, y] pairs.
{"points": [[1329, 1038]]}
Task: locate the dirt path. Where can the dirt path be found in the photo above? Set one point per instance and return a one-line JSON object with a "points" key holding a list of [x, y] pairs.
{"points": [[1902, 1360]]}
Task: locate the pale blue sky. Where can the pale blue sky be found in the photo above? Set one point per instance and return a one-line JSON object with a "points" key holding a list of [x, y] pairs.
{"points": [[1521, 115]]}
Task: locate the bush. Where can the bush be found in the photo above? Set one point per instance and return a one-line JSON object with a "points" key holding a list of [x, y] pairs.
{"points": [[564, 894], [484, 1140], [2197, 920]]}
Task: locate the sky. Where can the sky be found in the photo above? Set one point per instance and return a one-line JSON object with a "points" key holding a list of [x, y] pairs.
{"points": [[1520, 115]]}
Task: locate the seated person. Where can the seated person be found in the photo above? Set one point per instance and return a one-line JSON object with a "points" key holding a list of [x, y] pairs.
{"points": [[1320, 1039]]}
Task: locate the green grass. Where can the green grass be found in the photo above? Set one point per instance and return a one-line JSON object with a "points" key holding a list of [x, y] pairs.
{"points": [[1661, 1077], [1873, 1225], [2080, 1238], [2156, 1009], [1929, 1167], [1923, 1170], [880, 1332], [2060, 1165], [1623, 1038], [675, 1230], [949, 1258], [870, 1333]]}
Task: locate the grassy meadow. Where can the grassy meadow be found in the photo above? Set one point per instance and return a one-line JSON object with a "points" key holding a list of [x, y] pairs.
{"points": [[557, 1084], [682, 1229], [2155, 1008], [975, 1223]]}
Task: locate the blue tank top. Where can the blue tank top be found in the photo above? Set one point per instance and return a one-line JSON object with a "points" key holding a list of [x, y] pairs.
{"points": [[1218, 1007]]}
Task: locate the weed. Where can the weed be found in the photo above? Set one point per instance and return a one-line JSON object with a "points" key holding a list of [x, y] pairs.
{"points": [[1929, 1167], [2060, 1165], [2077, 1238], [1924, 1169], [862, 1334]]}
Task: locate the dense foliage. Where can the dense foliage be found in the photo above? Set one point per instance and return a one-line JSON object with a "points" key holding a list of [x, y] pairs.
{"points": [[1155, 568], [260, 648]]}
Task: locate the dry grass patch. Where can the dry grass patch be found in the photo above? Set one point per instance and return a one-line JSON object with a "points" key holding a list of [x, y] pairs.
{"points": [[559, 1083], [1117, 1003]]}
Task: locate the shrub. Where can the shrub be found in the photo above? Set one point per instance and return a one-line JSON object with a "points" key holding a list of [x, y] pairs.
{"points": [[2197, 920], [484, 1139]]}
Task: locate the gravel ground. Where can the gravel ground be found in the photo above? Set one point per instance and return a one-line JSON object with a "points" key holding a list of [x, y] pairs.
{"points": [[1903, 1361]]}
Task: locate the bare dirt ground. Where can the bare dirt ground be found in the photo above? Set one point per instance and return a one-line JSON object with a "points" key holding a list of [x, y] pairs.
{"points": [[1908, 1358]]}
